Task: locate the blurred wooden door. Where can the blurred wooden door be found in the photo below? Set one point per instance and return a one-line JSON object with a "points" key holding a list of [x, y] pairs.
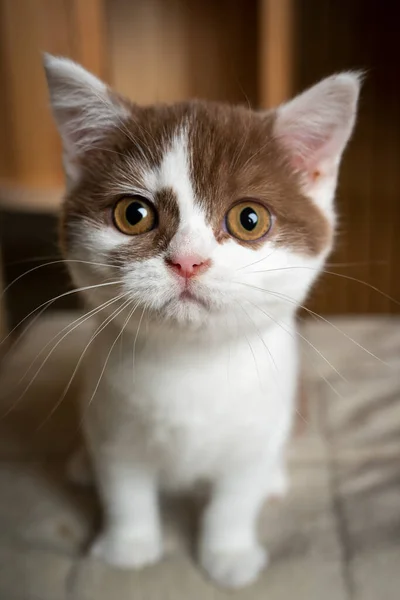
{"points": [[30, 166]]}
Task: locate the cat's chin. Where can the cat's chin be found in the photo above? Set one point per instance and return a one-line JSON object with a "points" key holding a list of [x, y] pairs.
{"points": [[186, 311]]}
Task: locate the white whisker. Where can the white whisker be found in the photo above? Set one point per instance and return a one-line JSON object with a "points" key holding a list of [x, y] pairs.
{"points": [[341, 275], [256, 262], [52, 300], [136, 338], [18, 400], [79, 321], [318, 316], [108, 356], [308, 342], [53, 262], [263, 342], [101, 327]]}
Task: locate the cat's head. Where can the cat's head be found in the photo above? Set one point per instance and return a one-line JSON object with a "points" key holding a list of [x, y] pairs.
{"points": [[196, 207]]}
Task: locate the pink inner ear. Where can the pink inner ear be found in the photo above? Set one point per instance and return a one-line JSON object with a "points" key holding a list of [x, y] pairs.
{"points": [[298, 162], [308, 151], [315, 126]]}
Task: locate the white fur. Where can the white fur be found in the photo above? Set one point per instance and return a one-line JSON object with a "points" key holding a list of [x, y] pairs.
{"points": [[204, 390], [194, 236], [212, 406]]}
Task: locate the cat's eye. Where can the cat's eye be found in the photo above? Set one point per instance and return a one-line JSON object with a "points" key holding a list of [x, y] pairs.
{"points": [[248, 221], [134, 215]]}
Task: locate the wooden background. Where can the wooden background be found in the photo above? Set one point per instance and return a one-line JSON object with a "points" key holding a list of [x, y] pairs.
{"points": [[257, 51]]}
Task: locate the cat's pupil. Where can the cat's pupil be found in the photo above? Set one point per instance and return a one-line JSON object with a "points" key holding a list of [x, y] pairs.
{"points": [[135, 212], [248, 218]]}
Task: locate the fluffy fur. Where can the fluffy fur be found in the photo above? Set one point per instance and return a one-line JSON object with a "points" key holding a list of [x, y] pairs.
{"points": [[194, 379]]}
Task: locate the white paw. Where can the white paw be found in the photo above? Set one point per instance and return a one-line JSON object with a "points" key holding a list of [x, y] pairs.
{"points": [[79, 471], [127, 552], [234, 568]]}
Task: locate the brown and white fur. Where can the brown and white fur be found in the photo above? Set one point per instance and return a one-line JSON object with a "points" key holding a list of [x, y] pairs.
{"points": [[194, 379]]}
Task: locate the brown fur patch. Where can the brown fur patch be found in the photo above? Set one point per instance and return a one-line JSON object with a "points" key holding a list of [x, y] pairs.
{"points": [[117, 166], [233, 156]]}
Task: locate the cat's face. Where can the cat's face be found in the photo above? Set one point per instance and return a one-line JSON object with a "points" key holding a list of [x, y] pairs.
{"points": [[198, 209]]}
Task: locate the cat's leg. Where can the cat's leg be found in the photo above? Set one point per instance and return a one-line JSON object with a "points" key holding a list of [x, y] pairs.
{"points": [[279, 480], [229, 549], [132, 536]]}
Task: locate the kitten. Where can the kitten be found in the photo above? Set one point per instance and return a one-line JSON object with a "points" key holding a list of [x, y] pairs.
{"points": [[196, 230]]}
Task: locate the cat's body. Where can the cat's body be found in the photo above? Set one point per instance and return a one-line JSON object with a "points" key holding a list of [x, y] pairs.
{"points": [[199, 405], [198, 409], [199, 229]]}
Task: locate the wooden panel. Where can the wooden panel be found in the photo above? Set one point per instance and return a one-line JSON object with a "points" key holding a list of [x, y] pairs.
{"points": [[40, 25], [87, 26], [333, 36], [276, 51], [168, 50], [147, 49], [223, 54], [30, 148], [6, 141]]}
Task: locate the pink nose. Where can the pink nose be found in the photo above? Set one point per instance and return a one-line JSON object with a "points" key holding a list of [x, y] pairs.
{"points": [[188, 266]]}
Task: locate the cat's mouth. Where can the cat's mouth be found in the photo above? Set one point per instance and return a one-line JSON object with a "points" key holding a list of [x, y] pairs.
{"points": [[187, 307], [188, 296]]}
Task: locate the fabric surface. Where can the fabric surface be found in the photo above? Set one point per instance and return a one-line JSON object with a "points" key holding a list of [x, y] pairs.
{"points": [[336, 536]]}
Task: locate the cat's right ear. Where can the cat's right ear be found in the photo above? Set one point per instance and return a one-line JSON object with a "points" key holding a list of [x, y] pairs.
{"points": [[315, 126], [83, 107]]}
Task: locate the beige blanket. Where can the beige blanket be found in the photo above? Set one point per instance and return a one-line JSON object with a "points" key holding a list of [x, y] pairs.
{"points": [[335, 537]]}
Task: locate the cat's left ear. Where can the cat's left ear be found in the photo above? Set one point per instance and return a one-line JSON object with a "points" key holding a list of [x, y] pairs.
{"points": [[84, 108], [315, 126]]}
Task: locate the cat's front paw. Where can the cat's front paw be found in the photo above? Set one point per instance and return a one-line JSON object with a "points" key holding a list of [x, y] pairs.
{"points": [[234, 568], [128, 551]]}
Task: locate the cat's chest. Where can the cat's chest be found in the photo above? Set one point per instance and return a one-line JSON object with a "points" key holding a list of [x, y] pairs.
{"points": [[196, 408], [203, 410], [196, 385]]}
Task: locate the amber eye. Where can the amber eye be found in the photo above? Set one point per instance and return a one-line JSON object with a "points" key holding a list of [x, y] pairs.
{"points": [[134, 215], [248, 221]]}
